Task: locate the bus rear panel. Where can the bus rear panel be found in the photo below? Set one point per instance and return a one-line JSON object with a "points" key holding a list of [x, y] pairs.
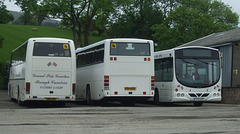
{"points": [[48, 71]]}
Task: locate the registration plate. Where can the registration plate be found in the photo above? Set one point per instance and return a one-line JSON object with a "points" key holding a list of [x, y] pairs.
{"points": [[50, 99], [198, 99], [130, 88]]}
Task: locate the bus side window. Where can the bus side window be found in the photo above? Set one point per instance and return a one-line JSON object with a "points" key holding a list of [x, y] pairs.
{"points": [[164, 69], [19, 56], [81, 59]]}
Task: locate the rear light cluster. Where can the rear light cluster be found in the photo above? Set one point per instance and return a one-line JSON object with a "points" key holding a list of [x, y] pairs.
{"points": [[113, 58], [73, 89], [28, 88], [106, 82], [152, 82], [147, 59]]}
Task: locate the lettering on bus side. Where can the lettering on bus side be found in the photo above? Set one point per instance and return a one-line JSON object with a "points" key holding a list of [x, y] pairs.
{"points": [[53, 81]]}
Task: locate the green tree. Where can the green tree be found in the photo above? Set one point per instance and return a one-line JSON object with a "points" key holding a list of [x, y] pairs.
{"points": [[1, 41], [35, 8], [80, 14], [5, 16], [136, 18], [192, 19], [70, 12], [27, 18]]}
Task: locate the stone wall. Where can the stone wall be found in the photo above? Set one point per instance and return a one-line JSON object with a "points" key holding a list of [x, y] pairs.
{"points": [[231, 95]]}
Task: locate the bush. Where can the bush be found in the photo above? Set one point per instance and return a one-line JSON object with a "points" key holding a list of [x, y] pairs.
{"points": [[1, 41], [3, 76]]}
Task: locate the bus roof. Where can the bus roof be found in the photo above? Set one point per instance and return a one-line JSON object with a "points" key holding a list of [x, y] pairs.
{"points": [[164, 53], [49, 38], [45, 39], [178, 48], [114, 40]]}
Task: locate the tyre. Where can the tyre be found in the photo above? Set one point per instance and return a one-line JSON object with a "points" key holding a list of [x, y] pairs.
{"points": [[156, 97], [20, 103], [10, 94], [88, 95]]}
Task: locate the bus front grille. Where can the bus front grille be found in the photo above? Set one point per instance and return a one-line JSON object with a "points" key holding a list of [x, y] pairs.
{"points": [[198, 94]]}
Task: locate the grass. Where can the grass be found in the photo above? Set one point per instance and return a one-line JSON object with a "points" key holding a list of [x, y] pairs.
{"points": [[15, 35]]}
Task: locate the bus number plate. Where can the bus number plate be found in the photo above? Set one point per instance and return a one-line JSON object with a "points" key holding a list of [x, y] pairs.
{"points": [[50, 99], [129, 88], [197, 99]]}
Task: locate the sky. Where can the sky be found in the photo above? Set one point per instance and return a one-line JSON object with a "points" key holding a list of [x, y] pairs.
{"points": [[235, 4]]}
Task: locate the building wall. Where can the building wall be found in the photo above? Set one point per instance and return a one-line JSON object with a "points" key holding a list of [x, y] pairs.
{"points": [[226, 51], [236, 65], [231, 95]]}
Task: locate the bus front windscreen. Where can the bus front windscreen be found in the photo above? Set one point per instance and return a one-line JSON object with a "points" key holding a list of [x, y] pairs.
{"points": [[129, 49], [197, 68], [51, 49]]}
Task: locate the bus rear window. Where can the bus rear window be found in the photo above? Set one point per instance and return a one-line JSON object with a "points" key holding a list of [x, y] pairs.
{"points": [[130, 49], [51, 49]]}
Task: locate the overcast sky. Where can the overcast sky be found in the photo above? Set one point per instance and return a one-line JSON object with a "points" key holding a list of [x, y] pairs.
{"points": [[235, 4]]}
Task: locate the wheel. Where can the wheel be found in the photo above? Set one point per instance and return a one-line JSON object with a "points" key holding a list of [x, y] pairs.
{"points": [[88, 95], [198, 104], [20, 103], [156, 97], [10, 94]]}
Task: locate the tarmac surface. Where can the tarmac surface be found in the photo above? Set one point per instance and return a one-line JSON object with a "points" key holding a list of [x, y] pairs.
{"points": [[113, 118]]}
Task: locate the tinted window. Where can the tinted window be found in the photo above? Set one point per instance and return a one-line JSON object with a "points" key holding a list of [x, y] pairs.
{"points": [[164, 69], [190, 53], [91, 56], [19, 55], [51, 49], [197, 70], [130, 49]]}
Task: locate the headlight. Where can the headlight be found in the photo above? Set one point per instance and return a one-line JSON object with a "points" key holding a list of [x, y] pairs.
{"points": [[178, 94], [182, 95]]}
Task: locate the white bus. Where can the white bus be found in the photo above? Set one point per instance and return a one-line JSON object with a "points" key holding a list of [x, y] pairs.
{"points": [[188, 74], [116, 69], [43, 69]]}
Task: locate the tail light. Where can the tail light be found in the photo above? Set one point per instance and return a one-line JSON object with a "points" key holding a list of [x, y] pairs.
{"points": [[152, 82], [106, 82], [113, 58], [147, 59], [27, 88], [73, 89]]}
